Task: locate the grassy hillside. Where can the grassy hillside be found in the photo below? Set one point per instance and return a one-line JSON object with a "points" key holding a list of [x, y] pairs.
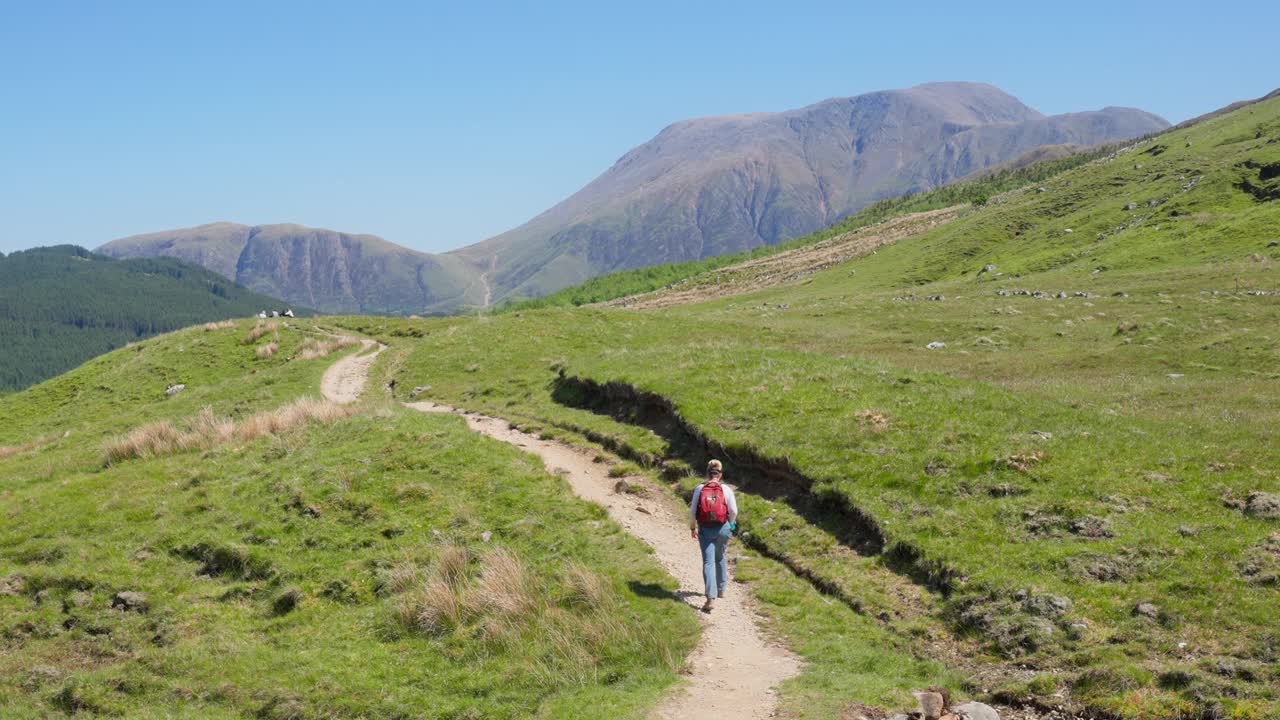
{"points": [[379, 563], [60, 306], [1074, 498], [976, 191]]}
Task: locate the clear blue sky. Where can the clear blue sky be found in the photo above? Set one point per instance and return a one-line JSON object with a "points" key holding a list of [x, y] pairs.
{"points": [[438, 125]]}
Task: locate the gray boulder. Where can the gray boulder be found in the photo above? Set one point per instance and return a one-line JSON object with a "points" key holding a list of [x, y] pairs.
{"points": [[932, 704], [976, 711], [129, 601]]}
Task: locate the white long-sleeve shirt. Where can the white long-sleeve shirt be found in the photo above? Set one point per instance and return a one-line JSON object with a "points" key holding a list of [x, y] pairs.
{"points": [[729, 500]]}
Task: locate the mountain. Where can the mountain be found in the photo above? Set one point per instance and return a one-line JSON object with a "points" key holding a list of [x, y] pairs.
{"points": [[60, 306], [330, 271], [702, 187], [718, 185]]}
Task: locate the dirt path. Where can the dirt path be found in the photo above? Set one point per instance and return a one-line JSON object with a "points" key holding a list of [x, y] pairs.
{"points": [[734, 659], [344, 380], [791, 265], [484, 279]]}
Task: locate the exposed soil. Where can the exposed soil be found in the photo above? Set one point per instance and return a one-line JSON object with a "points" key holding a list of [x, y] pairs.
{"points": [[791, 265], [344, 380]]}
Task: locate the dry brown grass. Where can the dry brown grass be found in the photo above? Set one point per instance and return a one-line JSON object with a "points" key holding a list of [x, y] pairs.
{"points": [[265, 351], [8, 451], [585, 588], [207, 430], [875, 421], [313, 348], [261, 328], [223, 325], [505, 586]]}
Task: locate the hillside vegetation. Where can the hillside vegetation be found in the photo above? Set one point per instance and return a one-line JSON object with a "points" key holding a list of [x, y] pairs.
{"points": [[1057, 477], [60, 306], [975, 192], [237, 550]]}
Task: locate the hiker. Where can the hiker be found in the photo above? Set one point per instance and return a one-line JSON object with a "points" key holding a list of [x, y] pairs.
{"points": [[713, 516]]}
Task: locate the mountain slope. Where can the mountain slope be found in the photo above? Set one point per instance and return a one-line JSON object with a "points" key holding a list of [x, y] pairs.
{"points": [[1074, 452], [60, 306], [331, 271], [702, 187], [724, 184]]}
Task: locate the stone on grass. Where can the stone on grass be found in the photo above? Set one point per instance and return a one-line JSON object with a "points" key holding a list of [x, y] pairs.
{"points": [[935, 345], [931, 704], [976, 711], [1146, 610], [130, 601]]}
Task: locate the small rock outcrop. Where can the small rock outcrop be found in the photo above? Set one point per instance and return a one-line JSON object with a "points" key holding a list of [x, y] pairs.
{"points": [[130, 601]]}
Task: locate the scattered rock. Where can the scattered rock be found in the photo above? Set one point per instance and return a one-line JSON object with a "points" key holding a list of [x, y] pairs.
{"points": [[311, 511], [1152, 476], [1131, 207], [1175, 376], [931, 704], [1273, 243], [486, 536], [419, 389], [1263, 505], [175, 389], [130, 601], [976, 711], [643, 509], [1041, 435], [1091, 526], [935, 345], [1040, 190], [1051, 606], [986, 269], [287, 601], [1188, 531], [1146, 610], [13, 585], [937, 298], [1068, 231]]}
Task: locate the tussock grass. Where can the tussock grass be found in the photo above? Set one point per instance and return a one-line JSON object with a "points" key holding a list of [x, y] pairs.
{"points": [[313, 348], [265, 351], [259, 329], [221, 325], [207, 430]]}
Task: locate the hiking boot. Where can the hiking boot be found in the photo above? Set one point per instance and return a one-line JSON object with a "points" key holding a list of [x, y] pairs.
{"points": [[706, 607]]}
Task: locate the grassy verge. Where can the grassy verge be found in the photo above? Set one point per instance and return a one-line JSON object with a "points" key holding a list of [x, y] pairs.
{"points": [[385, 564]]}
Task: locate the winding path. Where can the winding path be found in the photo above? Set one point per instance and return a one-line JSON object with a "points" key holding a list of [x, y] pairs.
{"points": [[345, 380], [734, 661]]}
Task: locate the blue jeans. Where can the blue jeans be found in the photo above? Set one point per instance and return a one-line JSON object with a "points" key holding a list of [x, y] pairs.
{"points": [[715, 568]]}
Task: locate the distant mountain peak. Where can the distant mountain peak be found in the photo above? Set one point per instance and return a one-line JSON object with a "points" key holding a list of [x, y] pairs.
{"points": [[700, 187]]}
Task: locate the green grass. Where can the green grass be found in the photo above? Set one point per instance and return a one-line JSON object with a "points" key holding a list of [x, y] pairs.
{"points": [[1084, 448], [269, 565]]}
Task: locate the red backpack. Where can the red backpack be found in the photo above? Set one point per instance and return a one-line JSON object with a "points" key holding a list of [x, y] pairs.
{"points": [[712, 508]]}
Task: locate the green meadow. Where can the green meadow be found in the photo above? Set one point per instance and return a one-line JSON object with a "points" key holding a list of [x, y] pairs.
{"points": [[1054, 484]]}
